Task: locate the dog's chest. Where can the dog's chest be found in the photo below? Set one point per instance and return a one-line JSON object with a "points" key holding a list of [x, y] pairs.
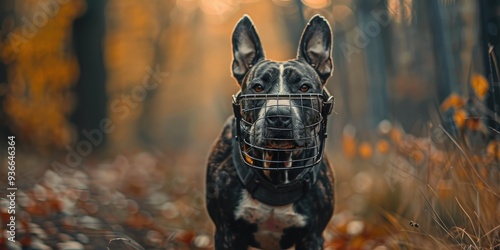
{"points": [[270, 220]]}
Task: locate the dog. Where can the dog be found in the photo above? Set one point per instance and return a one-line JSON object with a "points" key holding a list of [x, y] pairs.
{"points": [[268, 185]]}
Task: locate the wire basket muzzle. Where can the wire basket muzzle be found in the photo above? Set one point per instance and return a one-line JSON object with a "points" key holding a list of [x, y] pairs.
{"points": [[281, 132]]}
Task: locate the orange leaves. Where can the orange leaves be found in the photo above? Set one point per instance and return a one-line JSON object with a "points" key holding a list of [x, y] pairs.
{"points": [[417, 157], [185, 237], [41, 72], [480, 85], [349, 146], [466, 112], [347, 232], [349, 142], [460, 118], [463, 114], [493, 150], [41, 122], [474, 124], [138, 220], [396, 134], [383, 146], [365, 150], [453, 101]]}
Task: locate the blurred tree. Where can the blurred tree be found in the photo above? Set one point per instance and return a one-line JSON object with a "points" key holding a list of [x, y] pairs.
{"points": [[3, 86], [90, 89], [41, 69], [376, 29], [490, 35], [5, 12], [411, 67], [293, 16], [131, 49], [442, 48]]}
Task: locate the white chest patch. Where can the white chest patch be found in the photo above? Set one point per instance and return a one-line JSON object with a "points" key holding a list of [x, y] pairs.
{"points": [[281, 83], [270, 220]]}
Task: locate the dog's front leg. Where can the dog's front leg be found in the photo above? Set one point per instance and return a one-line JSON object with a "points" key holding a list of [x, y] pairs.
{"points": [[313, 241], [228, 238]]}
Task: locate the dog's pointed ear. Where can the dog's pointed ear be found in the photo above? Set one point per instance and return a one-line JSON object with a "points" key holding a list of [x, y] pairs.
{"points": [[315, 46], [247, 50]]}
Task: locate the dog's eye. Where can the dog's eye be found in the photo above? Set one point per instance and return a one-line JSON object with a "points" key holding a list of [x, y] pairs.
{"points": [[304, 88], [258, 88]]}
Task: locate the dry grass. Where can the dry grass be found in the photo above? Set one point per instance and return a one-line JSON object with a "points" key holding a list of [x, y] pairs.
{"points": [[439, 192]]}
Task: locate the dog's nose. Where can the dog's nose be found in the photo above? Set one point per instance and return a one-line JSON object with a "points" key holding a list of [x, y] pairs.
{"points": [[278, 117]]}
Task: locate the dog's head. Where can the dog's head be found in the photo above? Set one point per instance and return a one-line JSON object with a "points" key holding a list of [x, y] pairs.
{"points": [[281, 102]]}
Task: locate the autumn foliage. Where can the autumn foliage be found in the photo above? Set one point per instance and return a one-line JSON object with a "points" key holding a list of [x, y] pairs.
{"points": [[41, 70]]}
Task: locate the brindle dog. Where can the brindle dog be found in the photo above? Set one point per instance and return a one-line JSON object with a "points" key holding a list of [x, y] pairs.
{"points": [[241, 218]]}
